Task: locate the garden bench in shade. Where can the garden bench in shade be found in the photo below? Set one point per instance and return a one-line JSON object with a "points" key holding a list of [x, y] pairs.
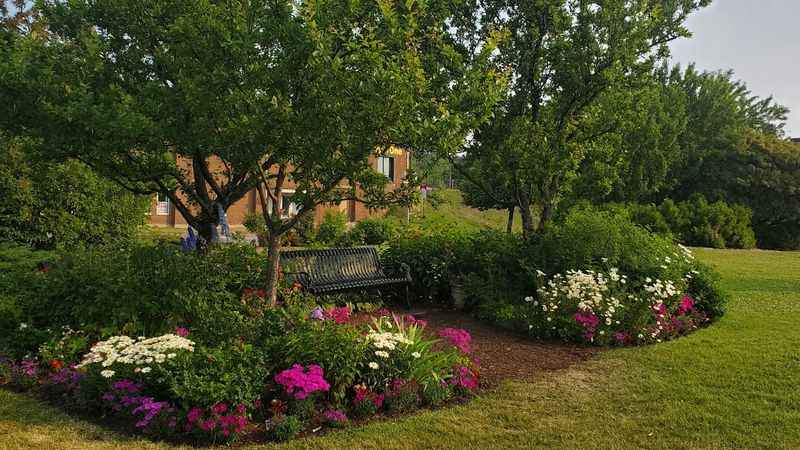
{"points": [[332, 270]]}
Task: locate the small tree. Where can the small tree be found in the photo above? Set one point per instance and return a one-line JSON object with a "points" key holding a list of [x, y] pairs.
{"points": [[205, 101], [565, 56]]}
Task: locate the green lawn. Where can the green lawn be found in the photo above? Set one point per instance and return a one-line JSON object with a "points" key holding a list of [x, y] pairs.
{"points": [[733, 385]]}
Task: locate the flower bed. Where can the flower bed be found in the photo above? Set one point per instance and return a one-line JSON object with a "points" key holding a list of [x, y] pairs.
{"points": [[321, 368], [606, 308]]}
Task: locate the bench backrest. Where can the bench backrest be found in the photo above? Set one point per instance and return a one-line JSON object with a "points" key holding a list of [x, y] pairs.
{"points": [[332, 265]]}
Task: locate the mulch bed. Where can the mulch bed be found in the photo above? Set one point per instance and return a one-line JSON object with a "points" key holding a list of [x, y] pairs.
{"points": [[504, 355]]}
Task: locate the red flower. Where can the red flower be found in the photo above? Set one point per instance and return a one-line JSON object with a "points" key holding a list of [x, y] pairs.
{"points": [[56, 364], [261, 293], [247, 292]]}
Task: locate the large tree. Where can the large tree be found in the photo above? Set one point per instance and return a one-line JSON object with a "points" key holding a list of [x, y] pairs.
{"points": [[205, 100], [565, 57]]}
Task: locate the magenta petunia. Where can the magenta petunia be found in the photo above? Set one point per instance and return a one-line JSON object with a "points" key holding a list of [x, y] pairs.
{"points": [[301, 382], [458, 338]]}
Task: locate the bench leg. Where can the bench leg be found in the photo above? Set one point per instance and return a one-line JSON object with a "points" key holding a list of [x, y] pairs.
{"points": [[408, 298]]}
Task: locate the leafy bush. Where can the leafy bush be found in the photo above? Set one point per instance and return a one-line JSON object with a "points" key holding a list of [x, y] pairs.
{"points": [[62, 205], [231, 373], [697, 222], [338, 350], [332, 228], [375, 231], [147, 290], [286, 428], [498, 271]]}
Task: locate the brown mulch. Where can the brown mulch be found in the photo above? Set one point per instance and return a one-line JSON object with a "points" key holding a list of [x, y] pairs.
{"points": [[504, 355]]}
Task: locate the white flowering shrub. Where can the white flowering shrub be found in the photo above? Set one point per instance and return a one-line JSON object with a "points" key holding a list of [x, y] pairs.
{"points": [[128, 356], [607, 307]]}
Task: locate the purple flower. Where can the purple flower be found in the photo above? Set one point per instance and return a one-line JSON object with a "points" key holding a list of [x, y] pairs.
{"points": [[334, 415], [127, 386], [317, 314]]}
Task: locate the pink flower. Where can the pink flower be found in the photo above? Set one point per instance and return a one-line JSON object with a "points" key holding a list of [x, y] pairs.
{"points": [[301, 382], [208, 425], [458, 338], [194, 415], [411, 320], [686, 305], [589, 321], [334, 415], [219, 408], [339, 315], [466, 378], [182, 332]]}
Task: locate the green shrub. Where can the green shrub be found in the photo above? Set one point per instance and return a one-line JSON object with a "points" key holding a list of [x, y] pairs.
{"points": [[716, 224], [705, 289], [62, 205], [498, 271], [339, 350], [434, 394], [375, 231], [332, 228], [431, 256], [651, 218], [286, 428], [698, 223], [232, 373], [149, 290], [403, 397]]}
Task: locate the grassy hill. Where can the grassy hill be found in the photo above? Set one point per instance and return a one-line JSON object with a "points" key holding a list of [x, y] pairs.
{"points": [[449, 208]]}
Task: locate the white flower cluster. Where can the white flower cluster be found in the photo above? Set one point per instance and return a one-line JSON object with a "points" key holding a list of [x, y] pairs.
{"points": [[590, 290], [688, 256], [385, 342], [660, 290], [140, 352]]}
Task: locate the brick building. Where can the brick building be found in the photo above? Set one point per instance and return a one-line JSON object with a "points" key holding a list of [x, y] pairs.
{"points": [[394, 165]]}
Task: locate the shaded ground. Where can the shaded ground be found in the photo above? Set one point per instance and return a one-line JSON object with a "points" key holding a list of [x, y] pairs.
{"points": [[504, 355]]}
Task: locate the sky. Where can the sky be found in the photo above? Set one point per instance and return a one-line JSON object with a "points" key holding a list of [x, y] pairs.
{"points": [[758, 39]]}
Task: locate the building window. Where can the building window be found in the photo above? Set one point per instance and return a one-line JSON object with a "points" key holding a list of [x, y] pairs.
{"points": [[162, 204], [288, 207], [386, 167]]}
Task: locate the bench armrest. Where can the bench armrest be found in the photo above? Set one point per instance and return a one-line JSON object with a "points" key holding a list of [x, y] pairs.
{"points": [[406, 271]]}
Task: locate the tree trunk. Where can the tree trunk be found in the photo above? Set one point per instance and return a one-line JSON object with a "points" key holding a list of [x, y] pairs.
{"points": [[547, 214], [510, 225], [206, 231], [273, 266], [525, 214]]}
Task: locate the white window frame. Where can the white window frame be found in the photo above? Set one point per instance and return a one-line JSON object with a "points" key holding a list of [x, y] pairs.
{"points": [[293, 209], [386, 166], [163, 205]]}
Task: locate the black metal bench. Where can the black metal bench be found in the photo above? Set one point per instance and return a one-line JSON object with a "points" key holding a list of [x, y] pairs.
{"points": [[331, 270]]}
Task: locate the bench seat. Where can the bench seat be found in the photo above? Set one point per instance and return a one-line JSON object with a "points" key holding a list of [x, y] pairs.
{"points": [[330, 270]]}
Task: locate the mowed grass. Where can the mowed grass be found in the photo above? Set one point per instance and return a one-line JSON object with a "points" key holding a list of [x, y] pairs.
{"points": [[732, 385]]}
